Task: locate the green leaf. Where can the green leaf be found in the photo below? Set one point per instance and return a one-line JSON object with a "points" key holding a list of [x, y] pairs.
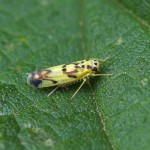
{"points": [[110, 113]]}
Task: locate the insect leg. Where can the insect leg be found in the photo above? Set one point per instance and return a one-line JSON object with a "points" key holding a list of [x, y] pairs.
{"points": [[105, 59], [94, 75], [84, 80], [53, 91]]}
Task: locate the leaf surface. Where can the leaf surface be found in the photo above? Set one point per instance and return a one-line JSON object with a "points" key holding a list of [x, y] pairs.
{"points": [[110, 113]]}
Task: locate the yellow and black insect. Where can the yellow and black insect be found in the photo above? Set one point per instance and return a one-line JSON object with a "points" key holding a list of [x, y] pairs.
{"points": [[62, 75]]}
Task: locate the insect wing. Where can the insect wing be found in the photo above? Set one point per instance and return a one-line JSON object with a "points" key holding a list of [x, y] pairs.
{"points": [[62, 74]]}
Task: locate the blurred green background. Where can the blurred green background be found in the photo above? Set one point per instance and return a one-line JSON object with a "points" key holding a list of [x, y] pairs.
{"points": [[112, 113]]}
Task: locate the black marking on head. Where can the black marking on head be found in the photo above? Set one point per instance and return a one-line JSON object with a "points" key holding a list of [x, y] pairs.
{"points": [[64, 66], [72, 76], [83, 66], [63, 69], [94, 69], [95, 63], [88, 67], [35, 83]]}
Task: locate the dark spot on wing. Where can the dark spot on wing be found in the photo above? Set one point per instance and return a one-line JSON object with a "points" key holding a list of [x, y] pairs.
{"points": [[51, 80], [71, 73], [82, 62], [72, 76], [54, 81], [95, 63], [35, 83]]}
